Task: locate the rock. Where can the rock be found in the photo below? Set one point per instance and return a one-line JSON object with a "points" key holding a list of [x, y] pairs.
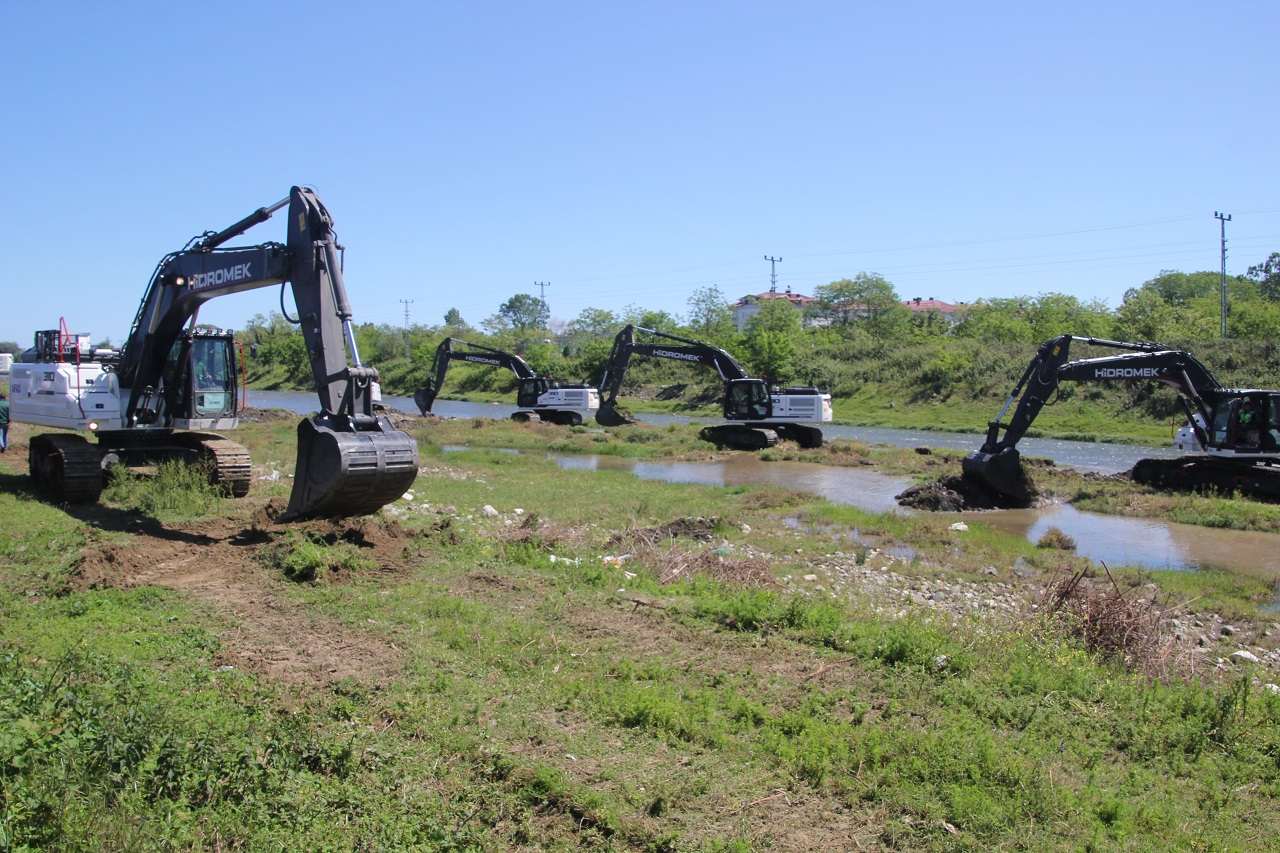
{"points": [[489, 511], [1242, 655], [959, 525]]}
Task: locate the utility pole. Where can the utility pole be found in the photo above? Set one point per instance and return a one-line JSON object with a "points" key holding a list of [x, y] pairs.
{"points": [[407, 303], [542, 291], [773, 273], [1223, 219]]}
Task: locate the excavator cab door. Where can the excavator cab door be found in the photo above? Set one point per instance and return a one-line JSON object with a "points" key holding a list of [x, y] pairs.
{"points": [[747, 400], [530, 391], [198, 385], [213, 382]]}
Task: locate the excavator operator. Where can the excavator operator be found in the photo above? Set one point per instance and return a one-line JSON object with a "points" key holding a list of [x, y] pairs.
{"points": [[1249, 427]]}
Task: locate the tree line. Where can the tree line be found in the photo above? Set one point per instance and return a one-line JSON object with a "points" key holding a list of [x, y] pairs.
{"points": [[848, 319]]}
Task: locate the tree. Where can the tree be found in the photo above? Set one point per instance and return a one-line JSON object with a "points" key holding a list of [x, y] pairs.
{"points": [[658, 320], [525, 312], [10, 347], [453, 319], [1001, 319], [1267, 276], [772, 339], [711, 316], [595, 323], [1053, 314], [496, 325], [868, 300]]}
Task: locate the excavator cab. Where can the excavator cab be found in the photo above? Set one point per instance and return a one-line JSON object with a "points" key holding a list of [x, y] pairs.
{"points": [[1247, 424], [198, 384], [747, 400], [530, 390]]}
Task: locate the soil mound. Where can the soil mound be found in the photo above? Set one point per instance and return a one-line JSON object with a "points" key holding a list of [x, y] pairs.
{"points": [[956, 494]]}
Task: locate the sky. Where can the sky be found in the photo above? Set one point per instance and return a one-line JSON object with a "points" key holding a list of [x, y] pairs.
{"points": [[631, 153]]}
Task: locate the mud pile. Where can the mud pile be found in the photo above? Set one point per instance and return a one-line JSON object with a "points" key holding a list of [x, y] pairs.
{"points": [[957, 494]]}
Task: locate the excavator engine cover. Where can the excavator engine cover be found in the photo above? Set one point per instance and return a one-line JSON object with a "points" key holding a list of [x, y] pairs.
{"points": [[341, 473], [1000, 471]]}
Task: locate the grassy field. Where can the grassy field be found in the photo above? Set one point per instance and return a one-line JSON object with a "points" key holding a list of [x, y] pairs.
{"points": [[520, 657]]}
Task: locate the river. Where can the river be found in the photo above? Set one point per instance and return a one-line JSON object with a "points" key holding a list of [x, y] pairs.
{"points": [[1113, 540]]}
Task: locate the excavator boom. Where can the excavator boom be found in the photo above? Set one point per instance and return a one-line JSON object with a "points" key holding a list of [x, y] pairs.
{"points": [[560, 404], [170, 377], [1234, 454]]}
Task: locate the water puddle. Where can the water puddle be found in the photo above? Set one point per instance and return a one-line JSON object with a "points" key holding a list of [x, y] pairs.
{"points": [[1113, 540]]}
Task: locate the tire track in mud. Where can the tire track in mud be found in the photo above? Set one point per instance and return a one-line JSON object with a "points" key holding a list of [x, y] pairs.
{"points": [[261, 628]]}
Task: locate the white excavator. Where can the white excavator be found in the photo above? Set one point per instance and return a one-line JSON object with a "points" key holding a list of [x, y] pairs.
{"points": [[169, 391], [539, 398], [758, 414]]}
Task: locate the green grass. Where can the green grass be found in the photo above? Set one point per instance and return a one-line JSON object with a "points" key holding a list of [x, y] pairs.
{"points": [[541, 704]]}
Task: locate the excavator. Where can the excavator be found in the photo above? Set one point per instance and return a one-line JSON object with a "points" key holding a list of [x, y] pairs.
{"points": [[538, 397], [759, 415], [159, 396], [1237, 430]]}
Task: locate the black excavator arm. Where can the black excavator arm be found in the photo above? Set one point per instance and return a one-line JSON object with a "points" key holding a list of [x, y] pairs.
{"points": [[350, 462], [625, 346], [997, 463], [425, 396]]}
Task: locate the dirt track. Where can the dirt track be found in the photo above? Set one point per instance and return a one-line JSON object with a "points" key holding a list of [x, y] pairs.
{"points": [[216, 563]]}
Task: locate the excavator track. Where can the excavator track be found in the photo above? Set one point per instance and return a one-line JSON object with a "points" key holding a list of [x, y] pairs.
{"points": [[66, 468], [739, 437], [229, 463], [806, 436], [1199, 473]]}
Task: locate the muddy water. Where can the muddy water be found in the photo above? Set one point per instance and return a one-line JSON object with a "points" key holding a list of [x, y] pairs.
{"points": [[1109, 539], [873, 491], [1102, 538]]}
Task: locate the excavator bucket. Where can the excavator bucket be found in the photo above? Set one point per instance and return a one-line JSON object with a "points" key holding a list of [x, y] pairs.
{"points": [[424, 397], [610, 414], [343, 473], [1000, 471]]}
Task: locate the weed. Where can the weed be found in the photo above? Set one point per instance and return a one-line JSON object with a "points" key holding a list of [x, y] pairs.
{"points": [[306, 558], [1110, 622], [1055, 538], [176, 490]]}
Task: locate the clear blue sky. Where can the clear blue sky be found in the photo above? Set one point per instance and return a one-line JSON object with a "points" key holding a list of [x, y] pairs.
{"points": [[631, 152]]}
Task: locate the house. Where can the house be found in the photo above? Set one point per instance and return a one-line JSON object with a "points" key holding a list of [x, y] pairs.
{"points": [[748, 306], [951, 313]]}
